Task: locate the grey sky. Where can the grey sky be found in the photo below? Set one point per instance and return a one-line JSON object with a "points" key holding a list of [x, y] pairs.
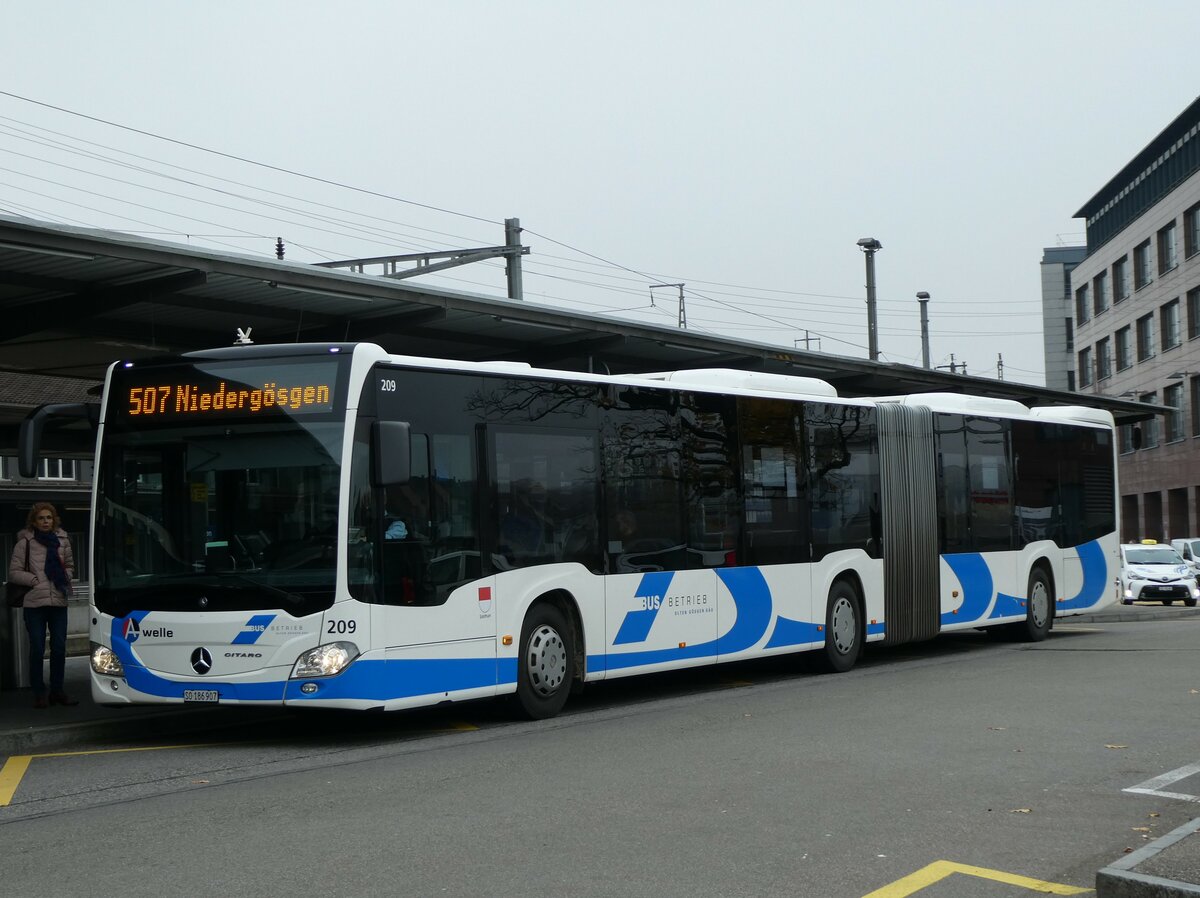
{"points": [[741, 148]]}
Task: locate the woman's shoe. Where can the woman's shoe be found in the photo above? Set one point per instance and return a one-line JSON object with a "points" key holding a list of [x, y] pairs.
{"points": [[39, 700], [61, 698]]}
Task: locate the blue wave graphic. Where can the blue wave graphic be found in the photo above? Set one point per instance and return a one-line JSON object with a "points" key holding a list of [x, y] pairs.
{"points": [[976, 581], [1095, 577]]}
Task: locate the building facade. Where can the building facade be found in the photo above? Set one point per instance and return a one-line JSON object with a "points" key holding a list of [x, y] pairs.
{"points": [[65, 482], [1058, 315], [1135, 301]]}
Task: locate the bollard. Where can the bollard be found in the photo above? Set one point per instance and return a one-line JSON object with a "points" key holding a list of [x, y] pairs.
{"points": [[14, 662]]}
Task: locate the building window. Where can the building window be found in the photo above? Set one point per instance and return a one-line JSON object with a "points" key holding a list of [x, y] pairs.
{"points": [[1104, 358], [1082, 309], [1169, 323], [1173, 424], [1141, 266], [1085, 367], [1193, 313], [1191, 231], [1100, 293], [1145, 338], [1167, 256], [1124, 349], [1150, 425], [1070, 381], [1126, 438], [1071, 333], [1120, 274], [1195, 385], [4, 475], [57, 469]]}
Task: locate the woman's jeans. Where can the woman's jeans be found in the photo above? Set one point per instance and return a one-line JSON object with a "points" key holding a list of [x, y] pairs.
{"points": [[37, 620]]}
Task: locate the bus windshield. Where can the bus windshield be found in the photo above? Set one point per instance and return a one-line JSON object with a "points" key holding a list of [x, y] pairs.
{"points": [[210, 511]]}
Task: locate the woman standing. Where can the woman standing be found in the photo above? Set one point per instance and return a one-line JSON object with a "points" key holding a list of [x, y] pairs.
{"points": [[42, 560]]}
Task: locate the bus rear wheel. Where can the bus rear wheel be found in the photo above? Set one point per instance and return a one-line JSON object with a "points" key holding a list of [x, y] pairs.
{"points": [[843, 630], [544, 663], [1039, 608]]}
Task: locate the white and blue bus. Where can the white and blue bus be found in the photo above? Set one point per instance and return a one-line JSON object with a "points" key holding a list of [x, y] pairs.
{"points": [[332, 526]]}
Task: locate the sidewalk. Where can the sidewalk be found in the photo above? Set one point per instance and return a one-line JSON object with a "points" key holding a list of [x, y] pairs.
{"points": [[1166, 868], [28, 730]]}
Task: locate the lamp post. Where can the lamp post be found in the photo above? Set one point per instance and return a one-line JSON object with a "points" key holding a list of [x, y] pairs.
{"points": [[870, 246], [923, 299]]}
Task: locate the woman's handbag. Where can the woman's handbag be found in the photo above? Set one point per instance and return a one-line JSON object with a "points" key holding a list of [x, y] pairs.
{"points": [[14, 593]]}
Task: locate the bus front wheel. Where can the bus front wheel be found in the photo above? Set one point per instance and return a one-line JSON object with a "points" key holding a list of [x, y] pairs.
{"points": [[544, 663], [843, 630]]}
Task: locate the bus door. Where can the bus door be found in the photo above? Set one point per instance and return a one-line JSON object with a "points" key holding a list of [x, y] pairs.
{"points": [[671, 522], [414, 558]]}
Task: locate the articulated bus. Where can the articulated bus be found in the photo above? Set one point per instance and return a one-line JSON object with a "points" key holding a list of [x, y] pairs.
{"points": [[332, 526]]}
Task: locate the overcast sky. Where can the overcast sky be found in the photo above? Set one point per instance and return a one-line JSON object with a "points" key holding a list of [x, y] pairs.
{"points": [[742, 148]]}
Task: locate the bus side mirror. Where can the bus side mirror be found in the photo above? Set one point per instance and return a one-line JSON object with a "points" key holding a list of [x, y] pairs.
{"points": [[392, 452], [29, 437]]}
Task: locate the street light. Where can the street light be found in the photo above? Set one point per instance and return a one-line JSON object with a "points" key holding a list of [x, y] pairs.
{"points": [[923, 299], [1182, 375], [870, 246]]}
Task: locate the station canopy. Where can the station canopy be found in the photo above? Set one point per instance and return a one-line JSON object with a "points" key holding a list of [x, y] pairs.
{"points": [[75, 300]]}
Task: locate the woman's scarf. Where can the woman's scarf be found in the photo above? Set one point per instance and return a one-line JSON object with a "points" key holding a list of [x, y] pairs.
{"points": [[54, 566]]}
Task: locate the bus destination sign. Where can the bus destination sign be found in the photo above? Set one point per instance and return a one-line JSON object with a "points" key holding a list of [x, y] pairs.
{"points": [[175, 400]]}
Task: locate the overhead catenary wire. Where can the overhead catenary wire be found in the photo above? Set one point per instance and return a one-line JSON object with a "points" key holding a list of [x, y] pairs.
{"points": [[774, 306]]}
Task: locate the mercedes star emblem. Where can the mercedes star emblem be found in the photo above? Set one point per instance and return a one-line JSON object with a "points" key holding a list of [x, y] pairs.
{"points": [[201, 661]]}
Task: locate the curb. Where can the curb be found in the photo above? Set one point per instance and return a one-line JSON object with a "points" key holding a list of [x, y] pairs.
{"points": [[156, 724], [34, 739], [1120, 880], [1127, 613]]}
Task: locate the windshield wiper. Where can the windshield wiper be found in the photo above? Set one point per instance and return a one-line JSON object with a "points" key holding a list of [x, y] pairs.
{"points": [[265, 587]]}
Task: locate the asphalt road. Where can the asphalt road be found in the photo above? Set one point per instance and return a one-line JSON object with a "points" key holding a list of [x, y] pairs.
{"points": [[759, 779]]}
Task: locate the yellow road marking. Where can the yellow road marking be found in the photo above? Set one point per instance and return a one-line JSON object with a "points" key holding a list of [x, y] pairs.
{"points": [[15, 767], [939, 870], [10, 776]]}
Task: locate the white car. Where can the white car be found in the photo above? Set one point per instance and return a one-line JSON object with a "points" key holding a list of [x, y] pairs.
{"points": [[1190, 550], [1154, 572]]}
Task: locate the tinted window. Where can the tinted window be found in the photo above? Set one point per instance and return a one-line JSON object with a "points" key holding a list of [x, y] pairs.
{"points": [[711, 512], [547, 486], [990, 484], [1038, 506], [1089, 503], [953, 508], [426, 530], [545, 472], [843, 463], [643, 471], [775, 486]]}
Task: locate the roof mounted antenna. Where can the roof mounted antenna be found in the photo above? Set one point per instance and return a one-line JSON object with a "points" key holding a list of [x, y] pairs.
{"points": [[243, 337]]}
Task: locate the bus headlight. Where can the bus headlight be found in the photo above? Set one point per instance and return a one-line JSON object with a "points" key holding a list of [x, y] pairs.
{"points": [[105, 661], [325, 660]]}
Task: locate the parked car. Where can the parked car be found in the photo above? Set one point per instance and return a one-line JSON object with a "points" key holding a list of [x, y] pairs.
{"points": [[1189, 549], [1156, 572]]}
